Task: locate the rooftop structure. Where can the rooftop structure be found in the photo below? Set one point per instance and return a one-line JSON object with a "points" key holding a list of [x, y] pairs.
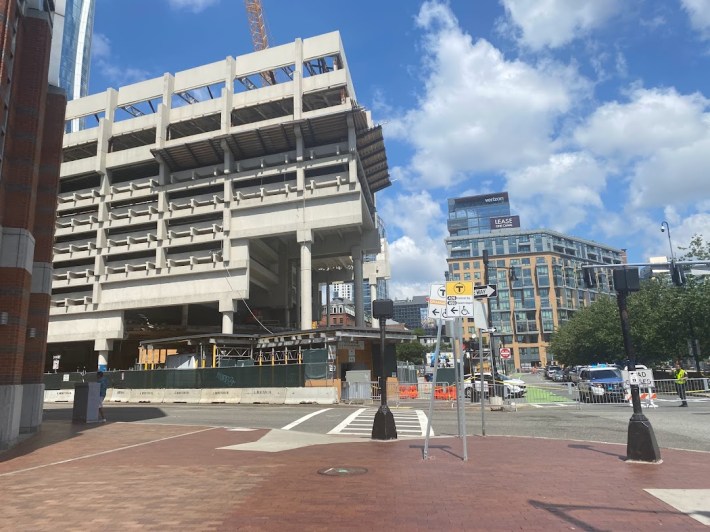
{"points": [[473, 215]]}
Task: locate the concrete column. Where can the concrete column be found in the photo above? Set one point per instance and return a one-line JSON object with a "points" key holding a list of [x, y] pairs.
{"points": [[227, 322], [228, 157], [10, 413], [103, 346], [305, 238], [300, 171], [228, 94], [356, 253], [32, 405], [298, 80], [103, 360]]}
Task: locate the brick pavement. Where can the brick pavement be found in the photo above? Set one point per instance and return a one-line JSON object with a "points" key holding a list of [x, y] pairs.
{"points": [[142, 476]]}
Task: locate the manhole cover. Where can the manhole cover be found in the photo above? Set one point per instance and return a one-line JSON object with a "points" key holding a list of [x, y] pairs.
{"points": [[342, 471]]}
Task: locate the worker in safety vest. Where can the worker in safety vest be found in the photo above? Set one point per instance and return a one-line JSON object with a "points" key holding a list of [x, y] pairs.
{"points": [[681, 378]]}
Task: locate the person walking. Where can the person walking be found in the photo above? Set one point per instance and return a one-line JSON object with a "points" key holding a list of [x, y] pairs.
{"points": [[103, 386], [681, 379]]}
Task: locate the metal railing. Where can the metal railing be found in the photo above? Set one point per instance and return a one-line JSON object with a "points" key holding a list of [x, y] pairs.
{"points": [[537, 393]]}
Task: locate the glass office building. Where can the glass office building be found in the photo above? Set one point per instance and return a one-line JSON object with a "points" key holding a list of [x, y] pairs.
{"points": [[473, 215], [71, 48]]}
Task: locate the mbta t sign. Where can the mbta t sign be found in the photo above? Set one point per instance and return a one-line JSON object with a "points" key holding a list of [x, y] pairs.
{"points": [[504, 353]]}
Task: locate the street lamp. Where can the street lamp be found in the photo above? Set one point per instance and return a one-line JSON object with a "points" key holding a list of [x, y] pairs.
{"points": [[666, 228], [383, 428]]}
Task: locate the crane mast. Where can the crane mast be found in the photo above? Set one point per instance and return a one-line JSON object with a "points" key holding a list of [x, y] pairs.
{"points": [[259, 37]]}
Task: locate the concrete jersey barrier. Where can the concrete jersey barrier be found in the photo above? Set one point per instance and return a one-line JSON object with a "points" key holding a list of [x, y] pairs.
{"points": [[290, 396], [322, 396]]}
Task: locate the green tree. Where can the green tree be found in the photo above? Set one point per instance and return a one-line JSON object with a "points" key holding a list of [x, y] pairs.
{"points": [[593, 334], [697, 249], [411, 352], [662, 318]]}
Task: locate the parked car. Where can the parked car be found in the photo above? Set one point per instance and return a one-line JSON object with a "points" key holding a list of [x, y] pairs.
{"points": [[601, 384], [468, 387], [550, 370], [559, 376], [573, 374], [511, 387]]}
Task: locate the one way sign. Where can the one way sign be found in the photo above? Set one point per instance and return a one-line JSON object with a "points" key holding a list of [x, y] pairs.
{"points": [[482, 292]]}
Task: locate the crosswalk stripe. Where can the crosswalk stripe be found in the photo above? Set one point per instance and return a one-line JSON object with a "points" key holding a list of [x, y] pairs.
{"points": [[409, 423]]}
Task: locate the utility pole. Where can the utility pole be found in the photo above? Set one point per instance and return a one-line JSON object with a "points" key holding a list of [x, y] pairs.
{"points": [[494, 369]]}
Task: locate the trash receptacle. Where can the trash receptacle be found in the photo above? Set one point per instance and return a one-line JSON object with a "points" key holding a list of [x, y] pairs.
{"points": [[86, 402]]}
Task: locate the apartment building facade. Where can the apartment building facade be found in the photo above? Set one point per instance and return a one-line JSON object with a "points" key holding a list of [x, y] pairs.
{"points": [[539, 283]]}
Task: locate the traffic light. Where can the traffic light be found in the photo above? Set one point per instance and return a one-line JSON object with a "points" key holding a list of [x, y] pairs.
{"points": [[470, 345], [626, 280], [590, 280], [677, 274]]}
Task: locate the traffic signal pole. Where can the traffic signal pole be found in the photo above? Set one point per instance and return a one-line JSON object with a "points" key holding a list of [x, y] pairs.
{"points": [[494, 369], [641, 442]]}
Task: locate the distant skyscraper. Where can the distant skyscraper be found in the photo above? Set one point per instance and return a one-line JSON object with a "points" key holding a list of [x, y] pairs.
{"points": [[71, 47]]}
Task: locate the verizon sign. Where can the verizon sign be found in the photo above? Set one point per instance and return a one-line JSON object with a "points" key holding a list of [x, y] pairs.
{"points": [[505, 222]]}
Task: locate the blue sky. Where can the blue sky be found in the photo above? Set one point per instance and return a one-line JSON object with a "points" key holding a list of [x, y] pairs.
{"points": [[593, 114]]}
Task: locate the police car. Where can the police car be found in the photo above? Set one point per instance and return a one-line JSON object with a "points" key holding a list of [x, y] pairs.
{"points": [[601, 383]]}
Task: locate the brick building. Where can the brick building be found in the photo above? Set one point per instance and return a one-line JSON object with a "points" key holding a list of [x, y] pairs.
{"points": [[32, 122]]}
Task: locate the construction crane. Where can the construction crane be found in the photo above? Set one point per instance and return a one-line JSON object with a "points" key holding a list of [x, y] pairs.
{"points": [[259, 37]]}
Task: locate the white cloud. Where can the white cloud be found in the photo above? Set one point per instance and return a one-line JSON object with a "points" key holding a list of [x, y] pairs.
{"points": [[108, 67], [100, 46], [120, 76], [559, 193], [653, 119], [674, 176], [193, 6], [662, 138], [696, 224], [479, 112], [699, 15], [416, 265], [418, 258], [555, 23], [416, 214]]}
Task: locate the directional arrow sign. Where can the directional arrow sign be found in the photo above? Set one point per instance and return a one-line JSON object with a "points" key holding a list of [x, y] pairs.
{"points": [[482, 292], [437, 301]]}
